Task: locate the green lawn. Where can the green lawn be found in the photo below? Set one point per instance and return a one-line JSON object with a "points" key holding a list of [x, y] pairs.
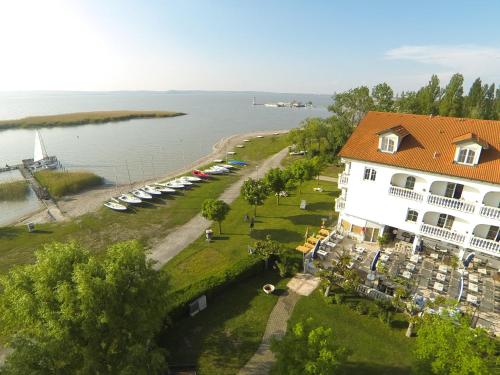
{"points": [[376, 348], [285, 223], [332, 170], [222, 338], [147, 223]]}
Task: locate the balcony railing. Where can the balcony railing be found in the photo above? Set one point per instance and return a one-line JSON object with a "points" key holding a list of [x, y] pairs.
{"points": [[405, 193], [343, 180], [491, 212], [451, 203], [487, 246], [339, 204], [442, 233]]}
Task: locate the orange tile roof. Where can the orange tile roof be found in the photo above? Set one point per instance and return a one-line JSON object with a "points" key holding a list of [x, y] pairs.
{"points": [[471, 137], [398, 130], [429, 145]]}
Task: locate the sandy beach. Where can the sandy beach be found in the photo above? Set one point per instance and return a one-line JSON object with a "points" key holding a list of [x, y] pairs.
{"points": [[73, 206]]}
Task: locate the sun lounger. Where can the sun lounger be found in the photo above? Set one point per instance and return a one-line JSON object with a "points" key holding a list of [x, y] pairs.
{"points": [[303, 249]]}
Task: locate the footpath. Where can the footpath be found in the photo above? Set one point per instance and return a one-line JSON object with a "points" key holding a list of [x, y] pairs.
{"points": [[262, 361], [185, 234]]}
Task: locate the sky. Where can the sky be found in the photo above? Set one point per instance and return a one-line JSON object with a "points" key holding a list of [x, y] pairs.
{"points": [[259, 45]]}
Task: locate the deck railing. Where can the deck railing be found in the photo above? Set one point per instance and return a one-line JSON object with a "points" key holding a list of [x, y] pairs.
{"points": [[339, 204], [405, 193], [442, 233], [343, 180], [490, 212], [451, 203], [487, 246]]}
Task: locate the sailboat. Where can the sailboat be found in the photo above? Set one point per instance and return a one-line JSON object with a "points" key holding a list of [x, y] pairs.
{"points": [[115, 205], [41, 160]]}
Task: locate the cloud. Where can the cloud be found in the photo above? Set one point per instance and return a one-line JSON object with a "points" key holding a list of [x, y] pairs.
{"points": [[471, 60]]}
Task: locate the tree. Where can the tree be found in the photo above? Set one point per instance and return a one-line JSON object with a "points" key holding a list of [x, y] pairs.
{"points": [[339, 274], [70, 313], [308, 349], [215, 210], [428, 97], [352, 105], [473, 101], [276, 179], [336, 133], [452, 102], [447, 345], [408, 102], [383, 97], [303, 169], [267, 248], [254, 192]]}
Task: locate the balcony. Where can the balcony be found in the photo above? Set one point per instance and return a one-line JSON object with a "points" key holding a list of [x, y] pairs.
{"points": [[490, 212], [343, 180], [397, 191], [339, 204], [451, 203], [486, 246], [442, 234]]}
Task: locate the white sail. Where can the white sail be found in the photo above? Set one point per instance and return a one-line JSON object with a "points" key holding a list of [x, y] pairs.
{"points": [[40, 152]]}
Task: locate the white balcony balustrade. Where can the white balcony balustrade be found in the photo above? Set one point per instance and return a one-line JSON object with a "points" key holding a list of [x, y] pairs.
{"points": [[343, 180], [490, 212], [486, 246], [442, 233], [339, 204], [451, 203], [397, 191]]}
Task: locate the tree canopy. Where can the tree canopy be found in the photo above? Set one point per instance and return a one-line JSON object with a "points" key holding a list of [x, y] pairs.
{"points": [[277, 179], [254, 192], [215, 210], [447, 345], [308, 349], [70, 313]]}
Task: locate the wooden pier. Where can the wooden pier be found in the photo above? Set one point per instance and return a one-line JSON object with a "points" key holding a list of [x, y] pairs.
{"points": [[9, 168]]}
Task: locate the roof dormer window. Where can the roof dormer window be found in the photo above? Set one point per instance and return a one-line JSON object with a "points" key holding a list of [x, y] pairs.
{"points": [[387, 144], [466, 156], [390, 139]]}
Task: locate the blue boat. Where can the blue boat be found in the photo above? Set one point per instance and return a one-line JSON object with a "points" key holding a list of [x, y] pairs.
{"points": [[237, 162]]}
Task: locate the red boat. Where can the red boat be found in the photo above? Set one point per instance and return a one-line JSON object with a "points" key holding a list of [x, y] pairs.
{"points": [[200, 174]]}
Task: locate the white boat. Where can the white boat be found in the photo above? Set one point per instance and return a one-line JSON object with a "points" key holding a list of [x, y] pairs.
{"points": [[260, 136], [228, 166], [41, 160], [220, 167], [171, 184], [164, 189], [246, 140], [115, 206], [129, 198], [213, 171], [141, 194], [151, 190], [218, 160], [182, 182], [240, 146], [231, 153], [192, 178]]}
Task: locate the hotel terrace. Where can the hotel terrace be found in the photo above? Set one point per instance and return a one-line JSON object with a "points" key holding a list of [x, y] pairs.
{"points": [[428, 180]]}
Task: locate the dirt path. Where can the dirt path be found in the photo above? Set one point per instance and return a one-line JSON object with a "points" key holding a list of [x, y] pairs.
{"points": [[89, 201], [183, 235]]}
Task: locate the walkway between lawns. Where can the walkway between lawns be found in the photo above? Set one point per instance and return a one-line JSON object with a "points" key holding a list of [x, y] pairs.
{"points": [[263, 359], [185, 234]]}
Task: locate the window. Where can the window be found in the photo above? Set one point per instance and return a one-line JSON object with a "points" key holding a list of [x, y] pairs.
{"points": [[387, 144], [412, 216], [410, 182], [453, 190], [370, 174], [493, 233], [445, 221], [466, 156]]}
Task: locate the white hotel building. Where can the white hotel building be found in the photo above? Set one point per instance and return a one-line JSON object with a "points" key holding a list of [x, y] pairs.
{"points": [[423, 178]]}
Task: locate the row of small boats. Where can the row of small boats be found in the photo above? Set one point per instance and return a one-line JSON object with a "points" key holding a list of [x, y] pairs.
{"points": [[148, 192]]}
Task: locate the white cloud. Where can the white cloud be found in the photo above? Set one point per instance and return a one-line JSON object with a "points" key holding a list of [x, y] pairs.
{"points": [[470, 60]]}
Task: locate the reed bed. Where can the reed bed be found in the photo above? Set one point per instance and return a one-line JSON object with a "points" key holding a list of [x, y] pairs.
{"points": [[64, 183], [82, 118], [13, 191]]}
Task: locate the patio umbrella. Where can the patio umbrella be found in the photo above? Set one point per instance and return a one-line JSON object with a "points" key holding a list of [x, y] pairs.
{"points": [[468, 259], [373, 265], [461, 291], [316, 248]]}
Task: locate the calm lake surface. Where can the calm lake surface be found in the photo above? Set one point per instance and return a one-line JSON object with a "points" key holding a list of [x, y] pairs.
{"points": [[146, 147]]}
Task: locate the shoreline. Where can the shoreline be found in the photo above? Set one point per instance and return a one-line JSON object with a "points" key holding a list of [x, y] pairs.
{"points": [[73, 206]]}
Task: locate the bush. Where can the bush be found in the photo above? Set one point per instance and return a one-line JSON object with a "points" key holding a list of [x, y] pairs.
{"points": [[64, 183], [13, 191], [373, 310], [339, 298], [288, 264], [363, 307]]}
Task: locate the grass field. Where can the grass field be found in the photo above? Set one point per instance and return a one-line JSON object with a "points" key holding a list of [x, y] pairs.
{"points": [[65, 183], [81, 118], [332, 170], [147, 223], [285, 223], [13, 191], [376, 348], [222, 338]]}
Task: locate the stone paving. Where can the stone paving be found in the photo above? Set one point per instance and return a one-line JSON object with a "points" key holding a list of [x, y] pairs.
{"points": [[262, 361]]}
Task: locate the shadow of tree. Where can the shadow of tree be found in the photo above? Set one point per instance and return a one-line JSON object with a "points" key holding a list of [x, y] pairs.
{"points": [[9, 232], [306, 219], [357, 368]]}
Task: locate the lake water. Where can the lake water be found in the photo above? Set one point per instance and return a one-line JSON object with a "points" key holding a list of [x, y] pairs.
{"points": [[145, 147]]}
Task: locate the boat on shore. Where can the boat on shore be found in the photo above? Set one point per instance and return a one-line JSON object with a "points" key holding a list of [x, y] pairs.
{"points": [[151, 190], [41, 160], [200, 174], [141, 194], [115, 205], [164, 189], [192, 178], [129, 198], [171, 185]]}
